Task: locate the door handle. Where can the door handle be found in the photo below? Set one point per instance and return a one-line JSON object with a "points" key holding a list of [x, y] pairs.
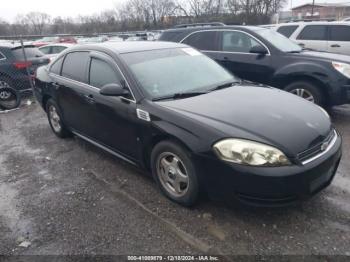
{"points": [[89, 98], [301, 44], [335, 45]]}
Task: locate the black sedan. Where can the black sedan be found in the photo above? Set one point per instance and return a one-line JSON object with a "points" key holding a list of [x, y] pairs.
{"points": [[264, 56], [172, 110]]}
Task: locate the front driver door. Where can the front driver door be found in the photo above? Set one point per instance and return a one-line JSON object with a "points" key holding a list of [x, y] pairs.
{"points": [[113, 117], [235, 56]]}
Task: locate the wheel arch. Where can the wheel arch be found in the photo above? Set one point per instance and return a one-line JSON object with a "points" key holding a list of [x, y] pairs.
{"points": [[155, 140], [286, 80], [45, 98], [3, 74]]}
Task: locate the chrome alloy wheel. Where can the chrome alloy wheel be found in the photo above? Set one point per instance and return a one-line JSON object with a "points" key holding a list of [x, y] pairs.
{"points": [[55, 119], [172, 174], [303, 93], [4, 94]]}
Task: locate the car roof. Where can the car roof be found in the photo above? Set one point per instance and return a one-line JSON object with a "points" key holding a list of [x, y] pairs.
{"points": [[58, 44], [130, 47], [315, 23], [14, 45], [201, 28]]}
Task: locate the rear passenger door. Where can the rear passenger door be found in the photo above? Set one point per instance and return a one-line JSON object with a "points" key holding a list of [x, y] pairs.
{"points": [[314, 37], [73, 91], [339, 39]]}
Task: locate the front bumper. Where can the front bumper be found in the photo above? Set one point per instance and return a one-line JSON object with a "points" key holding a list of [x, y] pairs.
{"points": [[268, 186], [348, 92]]}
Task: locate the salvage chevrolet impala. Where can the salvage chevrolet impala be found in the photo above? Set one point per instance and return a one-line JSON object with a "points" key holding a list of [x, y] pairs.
{"points": [[172, 110]]}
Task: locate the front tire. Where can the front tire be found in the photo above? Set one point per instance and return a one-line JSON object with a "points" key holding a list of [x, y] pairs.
{"points": [[55, 119], [306, 90], [175, 173]]}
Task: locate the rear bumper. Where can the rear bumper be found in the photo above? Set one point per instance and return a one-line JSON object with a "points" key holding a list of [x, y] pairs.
{"points": [[270, 186]]}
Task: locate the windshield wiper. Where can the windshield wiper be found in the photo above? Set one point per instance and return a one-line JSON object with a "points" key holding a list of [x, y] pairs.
{"points": [[225, 85], [178, 95]]}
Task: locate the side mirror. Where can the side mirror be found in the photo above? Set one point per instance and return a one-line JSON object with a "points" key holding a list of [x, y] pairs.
{"points": [[113, 90], [258, 49]]}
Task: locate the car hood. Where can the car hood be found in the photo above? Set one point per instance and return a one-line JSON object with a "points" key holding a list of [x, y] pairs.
{"points": [[324, 56], [266, 115]]}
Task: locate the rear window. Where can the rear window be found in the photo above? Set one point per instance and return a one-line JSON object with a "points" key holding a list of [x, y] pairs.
{"points": [[288, 30], [206, 40], [75, 65], [169, 36], [339, 33], [31, 52], [313, 32]]}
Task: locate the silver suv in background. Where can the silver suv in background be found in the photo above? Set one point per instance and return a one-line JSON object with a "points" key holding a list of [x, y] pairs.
{"points": [[331, 37]]}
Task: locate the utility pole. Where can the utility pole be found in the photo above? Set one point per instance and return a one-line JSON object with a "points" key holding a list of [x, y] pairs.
{"points": [[312, 9]]}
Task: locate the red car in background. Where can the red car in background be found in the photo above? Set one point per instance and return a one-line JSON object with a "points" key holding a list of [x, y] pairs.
{"points": [[54, 39]]}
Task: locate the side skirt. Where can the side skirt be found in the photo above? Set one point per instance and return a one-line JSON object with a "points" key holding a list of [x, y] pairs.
{"points": [[105, 148]]}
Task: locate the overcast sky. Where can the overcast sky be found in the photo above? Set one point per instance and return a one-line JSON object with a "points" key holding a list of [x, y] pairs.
{"points": [[10, 8]]}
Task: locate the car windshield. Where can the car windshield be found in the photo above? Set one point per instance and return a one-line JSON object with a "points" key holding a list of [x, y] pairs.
{"points": [[169, 72], [279, 41]]}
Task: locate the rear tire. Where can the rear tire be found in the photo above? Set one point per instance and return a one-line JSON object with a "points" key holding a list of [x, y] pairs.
{"points": [[307, 90], [175, 173], [55, 120], [10, 98]]}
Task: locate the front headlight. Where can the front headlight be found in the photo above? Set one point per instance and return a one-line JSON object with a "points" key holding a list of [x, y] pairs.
{"points": [[247, 152], [342, 68]]}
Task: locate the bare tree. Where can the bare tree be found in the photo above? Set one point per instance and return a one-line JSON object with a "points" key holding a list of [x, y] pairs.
{"points": [[147, 14], [36, 21]]}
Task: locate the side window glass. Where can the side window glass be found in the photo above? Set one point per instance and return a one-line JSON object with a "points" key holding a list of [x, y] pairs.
{"points": [[339, 33], [313, 32], [74, 66], [101, 73], [235, 41], [287, 31], [205, 40], [56, 67]]}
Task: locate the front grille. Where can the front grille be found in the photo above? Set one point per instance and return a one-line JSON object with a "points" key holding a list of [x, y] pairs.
{"points": [[317, 149]]}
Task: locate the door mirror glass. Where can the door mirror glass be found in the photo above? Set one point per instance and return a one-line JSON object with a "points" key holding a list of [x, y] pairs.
{"points": [[258, 49], [113, 90]]}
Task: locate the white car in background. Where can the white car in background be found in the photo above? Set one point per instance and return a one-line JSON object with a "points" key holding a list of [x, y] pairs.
{"points": [[331, 37], [53, 50]]}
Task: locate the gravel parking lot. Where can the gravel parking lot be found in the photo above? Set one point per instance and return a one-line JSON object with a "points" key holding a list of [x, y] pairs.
{"points": [[69, 197]]}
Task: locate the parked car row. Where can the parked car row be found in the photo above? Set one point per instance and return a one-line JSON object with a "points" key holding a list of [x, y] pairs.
{"points": [[264, 56], [14, 67], [331, 37], [173, 111]]}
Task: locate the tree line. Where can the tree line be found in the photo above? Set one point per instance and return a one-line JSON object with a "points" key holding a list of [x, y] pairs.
{"points": [[145, 15]]}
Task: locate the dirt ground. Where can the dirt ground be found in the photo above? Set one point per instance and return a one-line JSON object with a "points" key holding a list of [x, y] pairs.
{"points": [[69, 197]]}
